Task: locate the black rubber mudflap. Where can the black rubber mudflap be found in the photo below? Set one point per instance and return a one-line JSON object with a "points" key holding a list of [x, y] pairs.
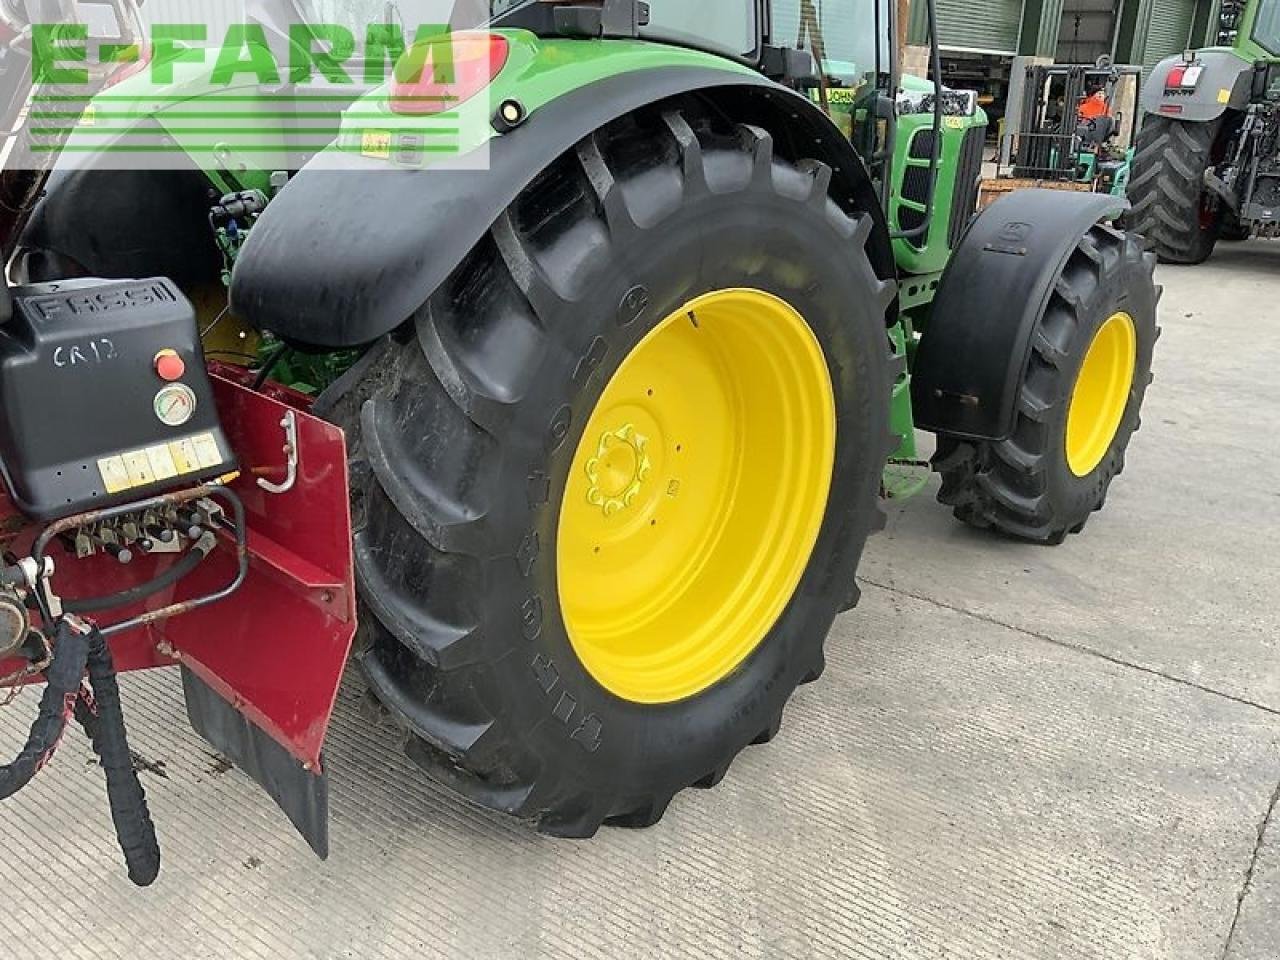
{"points": [[301, 794]]}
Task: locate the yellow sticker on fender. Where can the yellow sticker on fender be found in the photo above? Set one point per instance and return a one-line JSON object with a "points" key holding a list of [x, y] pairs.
{"points": [[376, 144]]}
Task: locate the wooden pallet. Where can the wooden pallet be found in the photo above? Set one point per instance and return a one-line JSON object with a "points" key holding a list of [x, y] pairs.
{"points": [[993, 189]]}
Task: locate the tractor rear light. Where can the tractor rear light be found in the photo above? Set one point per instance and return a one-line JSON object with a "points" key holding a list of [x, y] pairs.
{"points": [[129, 68], [446, 71], [1183, 77]]}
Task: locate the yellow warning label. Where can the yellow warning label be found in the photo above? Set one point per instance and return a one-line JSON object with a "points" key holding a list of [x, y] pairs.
{"points": [[1224, 96], [162, 465], [207, 452], [185, 458], [141, 468], [114, 475]]}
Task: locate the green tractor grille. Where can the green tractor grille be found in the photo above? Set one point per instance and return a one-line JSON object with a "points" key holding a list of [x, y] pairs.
{"points": [[964, 199], [915, 185], [968, 183]]}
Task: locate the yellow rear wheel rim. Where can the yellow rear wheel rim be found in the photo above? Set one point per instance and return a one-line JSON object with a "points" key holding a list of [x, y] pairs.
{"points": [[1101, 394], [696, 496]]}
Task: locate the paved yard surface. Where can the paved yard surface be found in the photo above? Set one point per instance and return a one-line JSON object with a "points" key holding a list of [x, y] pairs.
{"points": [[1016, 752]]}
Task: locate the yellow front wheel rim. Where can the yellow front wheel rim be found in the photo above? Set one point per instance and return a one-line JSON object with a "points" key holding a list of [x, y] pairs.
{"points": [[696, 496], [1101, 394]]}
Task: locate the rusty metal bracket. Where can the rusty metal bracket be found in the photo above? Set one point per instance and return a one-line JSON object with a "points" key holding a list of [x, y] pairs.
{"points": [[290, 426]]}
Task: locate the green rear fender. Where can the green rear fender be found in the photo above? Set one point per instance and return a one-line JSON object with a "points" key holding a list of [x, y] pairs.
{"points": [[348, 251]]}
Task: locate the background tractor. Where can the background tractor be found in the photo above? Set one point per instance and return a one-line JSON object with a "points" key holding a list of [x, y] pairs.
{"points": [[593, 436], [1208, 155]]}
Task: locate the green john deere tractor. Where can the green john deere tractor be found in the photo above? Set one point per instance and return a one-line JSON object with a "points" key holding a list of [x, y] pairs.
{"points": [[620, 400], [1208, 155]]}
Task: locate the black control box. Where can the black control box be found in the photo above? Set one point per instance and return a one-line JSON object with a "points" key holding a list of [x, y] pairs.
{"points": [[104, 397]]}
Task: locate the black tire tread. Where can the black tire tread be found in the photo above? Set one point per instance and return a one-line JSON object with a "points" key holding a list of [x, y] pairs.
{"points": [[1004, 486], [1168, 182], [424, 652]]}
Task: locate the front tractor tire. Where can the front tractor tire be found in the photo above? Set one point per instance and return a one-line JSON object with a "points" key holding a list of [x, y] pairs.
{"points": [[1078, 405], [1170, 206], [622, 468]]}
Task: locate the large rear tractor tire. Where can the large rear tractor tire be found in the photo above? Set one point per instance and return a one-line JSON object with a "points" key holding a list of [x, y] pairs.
{"points": [[1078, 406], [1171, 207], [622, 468]]}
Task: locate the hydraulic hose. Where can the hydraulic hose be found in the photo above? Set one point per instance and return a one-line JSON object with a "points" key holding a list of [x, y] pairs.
{"points": [[103, 720], [62, 687], [128, 801]]}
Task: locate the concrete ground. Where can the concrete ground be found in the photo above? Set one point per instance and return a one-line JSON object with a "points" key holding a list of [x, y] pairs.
{"points": [[1016, 752]]}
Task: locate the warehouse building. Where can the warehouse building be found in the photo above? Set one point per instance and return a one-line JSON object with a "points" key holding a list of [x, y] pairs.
{"points": [[984, 41]]}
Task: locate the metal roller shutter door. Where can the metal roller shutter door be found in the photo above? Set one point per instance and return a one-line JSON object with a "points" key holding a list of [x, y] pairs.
{"points": [[1169, 30], [989, 26]]}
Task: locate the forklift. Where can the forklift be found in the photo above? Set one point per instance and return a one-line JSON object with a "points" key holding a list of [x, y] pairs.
{"points": [[1073, 133]]}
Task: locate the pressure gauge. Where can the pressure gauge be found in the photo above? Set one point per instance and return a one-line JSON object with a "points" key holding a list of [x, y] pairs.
{"points": [[175, 404]]}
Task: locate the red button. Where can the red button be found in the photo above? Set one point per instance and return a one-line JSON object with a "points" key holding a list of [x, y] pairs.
{"points": [[170, 366]]}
